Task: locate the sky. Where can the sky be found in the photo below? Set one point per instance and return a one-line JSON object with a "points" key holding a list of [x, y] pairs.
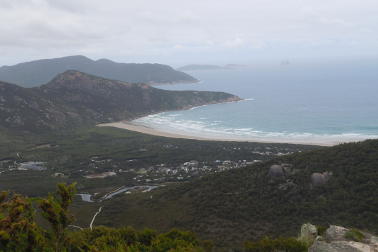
{"points": [[180, 32]]}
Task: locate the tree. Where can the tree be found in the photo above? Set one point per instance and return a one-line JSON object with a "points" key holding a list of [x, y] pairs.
{"points": [[18, 229], [55, 211]]}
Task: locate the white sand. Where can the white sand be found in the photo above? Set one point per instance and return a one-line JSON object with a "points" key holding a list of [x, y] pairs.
{"points": [[150, 131]]}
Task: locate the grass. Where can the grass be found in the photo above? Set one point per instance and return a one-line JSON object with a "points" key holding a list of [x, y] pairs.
{"points": [[354, 235]]}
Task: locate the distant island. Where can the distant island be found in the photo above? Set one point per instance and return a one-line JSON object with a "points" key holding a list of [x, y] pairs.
{"points": [[35, 73], [198, 67]]}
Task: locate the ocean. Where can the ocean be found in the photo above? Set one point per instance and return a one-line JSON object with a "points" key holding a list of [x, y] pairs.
{"points": [[319, 103]]}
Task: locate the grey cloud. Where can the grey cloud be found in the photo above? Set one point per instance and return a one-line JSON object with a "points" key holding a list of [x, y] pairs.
{"points": [[173, 31]]}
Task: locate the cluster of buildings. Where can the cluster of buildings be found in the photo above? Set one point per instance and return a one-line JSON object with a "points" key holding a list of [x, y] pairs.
{"points": [[97, 167], [185, 171], [11, 165]]}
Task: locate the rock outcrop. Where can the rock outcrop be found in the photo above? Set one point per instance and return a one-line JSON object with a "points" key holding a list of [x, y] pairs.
{"points": [[319, 179], [339, 239], [281, 170], [276, 171], [341, 246], [309, 233], [335, 233]]}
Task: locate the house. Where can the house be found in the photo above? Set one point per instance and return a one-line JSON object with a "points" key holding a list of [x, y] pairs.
{"points": [[35, 166]]}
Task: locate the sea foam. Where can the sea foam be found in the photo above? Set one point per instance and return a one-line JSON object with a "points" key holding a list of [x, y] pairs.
{"points": [[215, 130]]}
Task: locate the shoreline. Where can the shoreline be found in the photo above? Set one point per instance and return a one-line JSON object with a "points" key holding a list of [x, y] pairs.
{"points": [[229, 100], [129, 125]]}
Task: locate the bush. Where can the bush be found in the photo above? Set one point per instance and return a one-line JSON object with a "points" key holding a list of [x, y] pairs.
{"points": [[321, 230], [20, 232], [354, 235], [275, 245]]}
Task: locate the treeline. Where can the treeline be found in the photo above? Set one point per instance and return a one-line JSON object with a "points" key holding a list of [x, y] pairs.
{"points": [[20, 231]]}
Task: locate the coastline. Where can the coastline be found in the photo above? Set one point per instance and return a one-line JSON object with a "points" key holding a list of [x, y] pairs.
{"points": [[190, 107], [129, 125]]}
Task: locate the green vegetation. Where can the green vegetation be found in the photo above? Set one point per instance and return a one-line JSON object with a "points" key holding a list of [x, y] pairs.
{"points": [[19, 230], [354, 235], [71, 152], [274, 245], [321, 229], [248, 203], [229, 207]]}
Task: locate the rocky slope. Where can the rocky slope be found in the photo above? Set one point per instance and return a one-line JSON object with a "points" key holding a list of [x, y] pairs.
{"points": [[338, 239], [74, 99], [38, 72]]}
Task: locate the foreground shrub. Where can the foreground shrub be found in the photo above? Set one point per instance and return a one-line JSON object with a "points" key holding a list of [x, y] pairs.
{"points": [[20, 232], [275, 245], [354, 235]]}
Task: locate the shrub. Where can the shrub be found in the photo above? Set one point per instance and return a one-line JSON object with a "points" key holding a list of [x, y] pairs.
{"points": [[354, 235], [275, 245], [321, 230], [20, 232]]}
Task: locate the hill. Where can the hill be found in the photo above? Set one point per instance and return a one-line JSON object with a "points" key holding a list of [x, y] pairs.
{"points": [[34, 73], [74, 99], [335, 185], [23, 227]]}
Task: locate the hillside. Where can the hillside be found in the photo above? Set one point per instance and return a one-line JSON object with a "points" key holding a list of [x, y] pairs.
{"points": [[45, 224], [74, 99], [34, 73], [335, 185]]}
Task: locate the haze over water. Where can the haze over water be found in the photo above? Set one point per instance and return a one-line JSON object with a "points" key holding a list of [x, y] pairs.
{"points": [[300, 102]]}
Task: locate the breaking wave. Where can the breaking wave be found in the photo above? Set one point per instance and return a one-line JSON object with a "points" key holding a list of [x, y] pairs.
{"points": [[172, 123]]}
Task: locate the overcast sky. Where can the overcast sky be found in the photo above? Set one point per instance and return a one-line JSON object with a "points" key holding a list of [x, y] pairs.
{"points": [[188, 31]]}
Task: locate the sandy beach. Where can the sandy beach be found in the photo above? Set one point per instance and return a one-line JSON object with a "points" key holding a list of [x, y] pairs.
{"points": [[150, 131]]}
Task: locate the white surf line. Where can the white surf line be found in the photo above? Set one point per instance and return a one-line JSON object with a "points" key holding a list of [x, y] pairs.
{"points": [[94, 217]]}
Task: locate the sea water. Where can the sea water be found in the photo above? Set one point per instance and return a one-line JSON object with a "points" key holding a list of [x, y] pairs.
{"points": [[298, 102]]}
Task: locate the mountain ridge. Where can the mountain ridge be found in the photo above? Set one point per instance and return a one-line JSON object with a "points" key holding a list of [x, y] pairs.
{"points": [[35, 73]]}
